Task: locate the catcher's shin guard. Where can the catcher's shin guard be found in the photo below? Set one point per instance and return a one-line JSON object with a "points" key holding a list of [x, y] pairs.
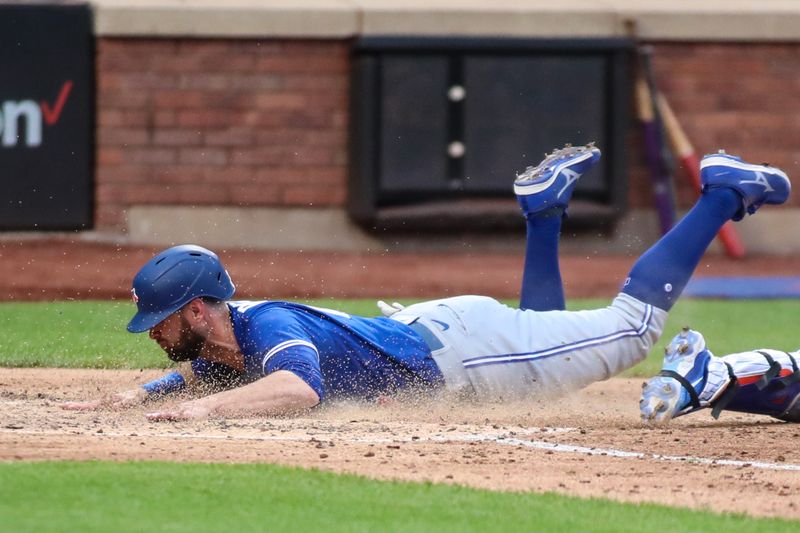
{"points": [[764, 382], [792, 414], [779, 397]]}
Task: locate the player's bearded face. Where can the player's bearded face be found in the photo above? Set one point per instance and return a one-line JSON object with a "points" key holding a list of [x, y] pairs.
{"points": [[188, 346]]}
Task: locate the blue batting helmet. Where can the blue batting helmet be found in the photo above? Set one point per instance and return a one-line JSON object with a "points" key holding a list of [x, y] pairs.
{"points": [[174, 278]]}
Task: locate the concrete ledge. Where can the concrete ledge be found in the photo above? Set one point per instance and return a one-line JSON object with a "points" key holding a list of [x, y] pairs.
{"points": [[237, 18], [257, 228], [679, 20], [718, 21], [770, 232], [511, 18]]}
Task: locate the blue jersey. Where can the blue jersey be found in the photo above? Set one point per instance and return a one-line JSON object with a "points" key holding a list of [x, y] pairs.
{"points": [[336, 354]]}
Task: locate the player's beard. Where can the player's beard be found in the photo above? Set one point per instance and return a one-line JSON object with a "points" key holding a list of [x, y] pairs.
{"points": [[189, 346]]}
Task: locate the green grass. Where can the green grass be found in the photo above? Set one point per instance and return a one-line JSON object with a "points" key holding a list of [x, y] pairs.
{"points": [[73, 334], [729, 326], [92, 334], [96, 496]]}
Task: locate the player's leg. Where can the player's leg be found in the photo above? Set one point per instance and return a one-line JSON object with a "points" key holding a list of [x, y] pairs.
{"points": [[558, 351], [499, 352], [509, 352], [543, 193], [731, 188], [761, 382]]}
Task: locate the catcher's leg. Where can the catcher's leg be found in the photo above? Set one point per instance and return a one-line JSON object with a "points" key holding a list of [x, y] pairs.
{"points": [[761, 382], [730, 188], [543, 193]]}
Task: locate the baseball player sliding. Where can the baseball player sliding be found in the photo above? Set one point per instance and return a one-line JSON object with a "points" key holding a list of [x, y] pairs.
{"points": [[275, 357]]}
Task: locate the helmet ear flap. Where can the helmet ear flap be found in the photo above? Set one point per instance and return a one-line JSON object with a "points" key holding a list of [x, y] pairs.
{"points": [[172, 279]]}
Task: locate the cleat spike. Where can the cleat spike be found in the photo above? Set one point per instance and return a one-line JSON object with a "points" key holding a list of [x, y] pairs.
{"points": [[663, 396], [549, 185]]}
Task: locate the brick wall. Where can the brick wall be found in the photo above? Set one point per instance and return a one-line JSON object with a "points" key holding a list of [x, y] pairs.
{"points": [[219, 122], [264, 123], [740, 97]]}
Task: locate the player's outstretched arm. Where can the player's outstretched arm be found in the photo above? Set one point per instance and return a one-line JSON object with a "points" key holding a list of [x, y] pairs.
{"points": [[171, 383], [279, 393], [119, 400]]}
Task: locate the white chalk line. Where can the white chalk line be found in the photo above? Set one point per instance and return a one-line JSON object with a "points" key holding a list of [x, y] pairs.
{"points": [[610, 452], [442, 438]]}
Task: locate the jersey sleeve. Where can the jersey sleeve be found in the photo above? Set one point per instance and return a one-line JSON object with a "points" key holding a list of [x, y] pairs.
{"points": [[282, 343], [172, 382], [299, 357], [216, 374]]}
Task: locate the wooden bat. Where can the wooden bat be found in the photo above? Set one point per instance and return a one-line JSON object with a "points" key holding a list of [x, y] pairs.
{"points": [[685, 152], [667, 158], [653, 144]]}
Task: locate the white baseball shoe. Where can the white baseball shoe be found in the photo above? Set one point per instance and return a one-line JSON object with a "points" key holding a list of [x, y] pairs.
{"points": [[675, 390], [756, 184], [550, 184]]}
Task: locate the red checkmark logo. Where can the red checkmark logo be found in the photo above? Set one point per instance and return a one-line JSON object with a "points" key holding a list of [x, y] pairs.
{"points": [[51, 114]]}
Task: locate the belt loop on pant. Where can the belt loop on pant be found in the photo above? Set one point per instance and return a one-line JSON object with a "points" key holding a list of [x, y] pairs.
{"points": [[427, 335]]}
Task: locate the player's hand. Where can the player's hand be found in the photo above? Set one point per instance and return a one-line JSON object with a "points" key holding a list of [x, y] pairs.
{"points": [[120, 400], [194, 410]]}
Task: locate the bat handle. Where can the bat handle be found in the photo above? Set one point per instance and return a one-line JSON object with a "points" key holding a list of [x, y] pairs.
{"points": [[733, 245]]}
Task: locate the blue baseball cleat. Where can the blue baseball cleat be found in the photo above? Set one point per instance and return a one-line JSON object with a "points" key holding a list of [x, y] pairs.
{"points": [[550, 184], [676, 390], [757, 184]]}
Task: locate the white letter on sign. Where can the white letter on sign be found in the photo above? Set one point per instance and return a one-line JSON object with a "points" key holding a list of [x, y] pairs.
{"points": [[28, 109]]}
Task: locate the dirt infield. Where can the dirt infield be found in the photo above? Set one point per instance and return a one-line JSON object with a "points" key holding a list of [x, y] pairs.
{"points": [[590, 445]]}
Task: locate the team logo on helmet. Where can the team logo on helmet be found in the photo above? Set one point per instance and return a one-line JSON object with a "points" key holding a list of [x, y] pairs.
{"points": [[134, 297]]}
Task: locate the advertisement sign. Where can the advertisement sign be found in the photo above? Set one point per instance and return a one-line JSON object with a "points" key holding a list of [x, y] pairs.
{"points": [[46, 117]]}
